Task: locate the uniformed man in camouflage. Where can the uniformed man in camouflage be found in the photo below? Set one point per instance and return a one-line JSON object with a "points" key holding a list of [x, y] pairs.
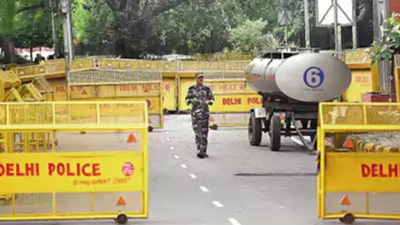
{"points": [[200, 97]]}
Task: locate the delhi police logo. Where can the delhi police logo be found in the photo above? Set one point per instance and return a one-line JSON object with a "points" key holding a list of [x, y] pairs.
{"points": [[128, 169], [313, 77]]}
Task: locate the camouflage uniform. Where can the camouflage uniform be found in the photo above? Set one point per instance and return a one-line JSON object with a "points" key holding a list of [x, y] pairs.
{"points": [[200, 97]]}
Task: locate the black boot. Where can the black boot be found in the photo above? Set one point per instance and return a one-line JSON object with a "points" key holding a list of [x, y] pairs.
{"points": [[202, 155]]}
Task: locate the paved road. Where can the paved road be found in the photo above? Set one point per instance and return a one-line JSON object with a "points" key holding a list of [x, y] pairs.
{"points": [[178, 199], [238, 184]]}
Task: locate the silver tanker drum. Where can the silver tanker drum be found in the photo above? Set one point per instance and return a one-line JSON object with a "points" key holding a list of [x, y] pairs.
{"points": [[308, 77], [292, 85]]}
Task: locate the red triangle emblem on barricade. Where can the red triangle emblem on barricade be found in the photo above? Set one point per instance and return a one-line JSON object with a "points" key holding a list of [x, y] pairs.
{"points": [[131, 138], [345, 201], [121, 201]]}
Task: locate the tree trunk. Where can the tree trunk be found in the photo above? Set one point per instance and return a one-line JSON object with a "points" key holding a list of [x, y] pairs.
{"points": [[31, 53], [9, 51]]}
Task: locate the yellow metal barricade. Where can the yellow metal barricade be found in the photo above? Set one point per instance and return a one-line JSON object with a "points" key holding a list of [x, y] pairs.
{"points": [[364, 80], [397, 80], [170, 91], [121, 85], [233, 98], [359, 161], [98, 175]]}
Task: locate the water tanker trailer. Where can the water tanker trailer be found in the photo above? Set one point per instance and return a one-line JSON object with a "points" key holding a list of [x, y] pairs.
{"points": [[291, 86]]}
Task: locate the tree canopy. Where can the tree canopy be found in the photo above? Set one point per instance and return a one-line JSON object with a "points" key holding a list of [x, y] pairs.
{"points": [[135, 28]]}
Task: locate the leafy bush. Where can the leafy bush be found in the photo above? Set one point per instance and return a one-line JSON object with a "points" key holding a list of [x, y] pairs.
{"points": [[390, 43]]}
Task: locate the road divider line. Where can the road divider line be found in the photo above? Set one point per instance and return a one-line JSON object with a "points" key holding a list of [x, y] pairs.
{"points": [[217, 204], [233, 221], [176, 156], [184, 166], [192, 176], [172, 148], [203, 189]]}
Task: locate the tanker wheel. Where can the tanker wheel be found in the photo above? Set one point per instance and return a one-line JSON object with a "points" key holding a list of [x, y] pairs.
{"points": [[348, 218], [275, 133], [255, 132], [122, 219]]}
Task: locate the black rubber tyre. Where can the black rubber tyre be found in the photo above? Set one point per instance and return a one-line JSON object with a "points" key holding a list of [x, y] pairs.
{"points": [[255, 130], [150, 129], [347, 219], [214, 127], [275, 133], [122, 219]]}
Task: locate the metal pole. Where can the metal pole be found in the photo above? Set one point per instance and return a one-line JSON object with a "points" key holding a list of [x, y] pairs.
{"points": [[307, 24], [375, 20], [338, 45], [69, 18], [53, 26], [355, 34], [286, 36], [67, 41]]}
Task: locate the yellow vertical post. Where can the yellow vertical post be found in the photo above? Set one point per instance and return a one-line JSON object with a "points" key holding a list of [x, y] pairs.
{"points": [[13, 204], [37, 141], [92, 202], [53, 141], [8, 114], [2, 92], [53, 204], [53, 133], [397, 84], [145, 144], [321, 140], [26, 142], [322, 173], [161, 104], [365, 121], [6, 142], [47, 141], [98, 113]]}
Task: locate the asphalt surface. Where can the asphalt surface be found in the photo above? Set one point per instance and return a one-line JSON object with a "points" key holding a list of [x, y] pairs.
{"points": [[238, 184]]}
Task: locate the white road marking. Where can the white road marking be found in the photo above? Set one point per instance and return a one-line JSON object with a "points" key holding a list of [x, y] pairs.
{"points": [[233, 221], [282, 207], [217, 204], [172, 148], [296, 140], [176, 156], [184, 166], [192, 176], [168, 139], [203, 189]]}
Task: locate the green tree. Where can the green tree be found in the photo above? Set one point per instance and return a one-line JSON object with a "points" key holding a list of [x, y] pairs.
{"points": [[23, 24], [249, 37], [93, 26], [32, 29], [7, 16], [198, 26]]}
